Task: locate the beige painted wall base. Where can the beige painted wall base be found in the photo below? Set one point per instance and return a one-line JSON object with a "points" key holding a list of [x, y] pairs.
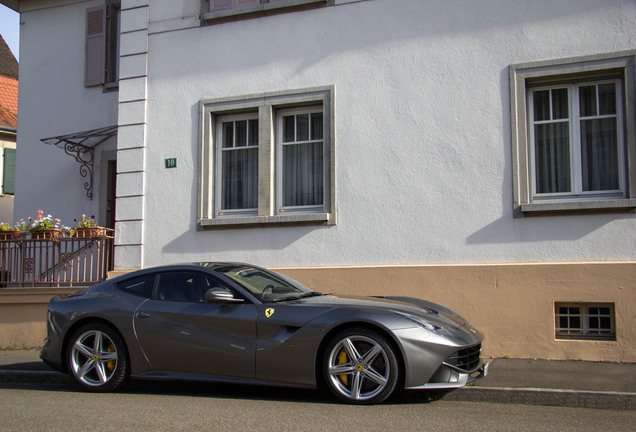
{"points": [[512, 304], [23, 315]]}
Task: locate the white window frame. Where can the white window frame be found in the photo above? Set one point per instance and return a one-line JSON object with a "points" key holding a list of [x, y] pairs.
{"points": [[584, 331], [267, 107], [524, 77], [218, 181], [574, 120], [280, 208]]}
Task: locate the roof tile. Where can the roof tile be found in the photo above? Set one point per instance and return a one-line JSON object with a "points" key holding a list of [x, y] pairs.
{"points": [[8, 102], [8, 63]]}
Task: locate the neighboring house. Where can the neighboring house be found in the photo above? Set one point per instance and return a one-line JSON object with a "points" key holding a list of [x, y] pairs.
{"points": [[477, 154], [8, 129]]}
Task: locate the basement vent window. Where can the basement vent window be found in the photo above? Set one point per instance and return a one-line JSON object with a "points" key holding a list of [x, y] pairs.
{"points": [[585, 321]]}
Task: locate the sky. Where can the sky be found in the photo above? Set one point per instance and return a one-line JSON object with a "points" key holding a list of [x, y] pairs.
{"points": [[10, 29]]}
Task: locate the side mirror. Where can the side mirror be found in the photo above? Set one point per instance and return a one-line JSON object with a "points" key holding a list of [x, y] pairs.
{"points": [[219, 295]]}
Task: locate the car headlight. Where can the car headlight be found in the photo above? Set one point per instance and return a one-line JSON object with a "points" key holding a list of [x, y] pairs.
{"points": [[435, 329]]}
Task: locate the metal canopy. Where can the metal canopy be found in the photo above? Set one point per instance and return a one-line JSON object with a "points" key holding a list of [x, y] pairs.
{"points": [[81, 145]]}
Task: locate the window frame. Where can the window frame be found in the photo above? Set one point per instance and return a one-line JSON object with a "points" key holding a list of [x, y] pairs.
{"points": [[280, 144], [574, 120], [268, 106], [264, 7], [219, 152], [523, 78], [584, 332]]}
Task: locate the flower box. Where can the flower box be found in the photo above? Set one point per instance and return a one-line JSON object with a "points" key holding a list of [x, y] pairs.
{"points": [[92, 232], [12, 235], [47, 234]]}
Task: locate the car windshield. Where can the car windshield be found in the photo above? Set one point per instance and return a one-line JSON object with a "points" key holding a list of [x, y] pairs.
{"points": [[267, 286]]}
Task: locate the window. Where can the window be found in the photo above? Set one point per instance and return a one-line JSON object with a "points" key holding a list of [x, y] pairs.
{"points": [[238, 164], [268, 159], [591, 321], [576, 140], [139, 286], [573, 135], [102, 45], [185, 286], [299, 148], [219, 9]]}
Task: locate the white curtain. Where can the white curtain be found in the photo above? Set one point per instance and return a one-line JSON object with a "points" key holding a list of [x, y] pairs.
{"points": [[552, 157]]}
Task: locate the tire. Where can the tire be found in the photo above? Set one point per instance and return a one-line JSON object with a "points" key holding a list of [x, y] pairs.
{"points": [[360, 367], [97, 358]]}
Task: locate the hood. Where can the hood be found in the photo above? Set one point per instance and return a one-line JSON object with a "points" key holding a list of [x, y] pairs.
{"points": [[433, 312]]}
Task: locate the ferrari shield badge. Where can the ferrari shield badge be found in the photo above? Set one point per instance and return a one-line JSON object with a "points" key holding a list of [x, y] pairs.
{"points": [[269, 312]]}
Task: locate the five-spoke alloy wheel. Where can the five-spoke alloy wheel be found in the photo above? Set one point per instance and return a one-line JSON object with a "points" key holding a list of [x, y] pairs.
{"points": [[97, 358], [360, 367]]}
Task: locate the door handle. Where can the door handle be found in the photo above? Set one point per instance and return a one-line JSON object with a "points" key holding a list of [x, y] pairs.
{"points": [[142, 315]]}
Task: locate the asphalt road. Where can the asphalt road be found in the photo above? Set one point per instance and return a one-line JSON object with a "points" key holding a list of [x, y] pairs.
{"points": [[206, 407]]}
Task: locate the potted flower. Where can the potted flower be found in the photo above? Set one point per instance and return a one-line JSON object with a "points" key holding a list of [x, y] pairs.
{"points": [[44, 227], [87, 227]]}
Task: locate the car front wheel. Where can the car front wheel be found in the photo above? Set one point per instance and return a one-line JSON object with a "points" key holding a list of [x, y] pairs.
{"points": [[97, 358], [360, 366]]}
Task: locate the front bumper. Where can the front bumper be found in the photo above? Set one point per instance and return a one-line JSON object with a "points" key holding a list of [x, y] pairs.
{"points": [[449, 377]]}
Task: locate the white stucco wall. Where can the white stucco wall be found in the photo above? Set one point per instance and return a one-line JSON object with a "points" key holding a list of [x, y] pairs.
{"points": [[53, 101], [422, 111], [423, 153]]}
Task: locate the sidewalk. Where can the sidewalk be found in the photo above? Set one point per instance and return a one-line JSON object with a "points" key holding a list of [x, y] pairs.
{"points": [[601, 385], [522, 381]]}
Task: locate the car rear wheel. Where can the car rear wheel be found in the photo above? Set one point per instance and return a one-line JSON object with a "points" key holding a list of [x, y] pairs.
{"points": [[97, 358], [360, 366]]}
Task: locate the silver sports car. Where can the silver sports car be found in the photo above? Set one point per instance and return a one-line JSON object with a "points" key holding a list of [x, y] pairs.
{"points": [[234, 322]]}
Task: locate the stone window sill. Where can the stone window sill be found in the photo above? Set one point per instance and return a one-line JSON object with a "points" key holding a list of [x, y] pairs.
{"points": [[263, 221], [574, 207]]}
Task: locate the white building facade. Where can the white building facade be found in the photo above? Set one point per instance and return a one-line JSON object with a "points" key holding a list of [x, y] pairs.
{"points": [[478, 154]]}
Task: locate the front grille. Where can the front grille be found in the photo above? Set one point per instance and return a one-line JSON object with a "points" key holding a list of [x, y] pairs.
{"points": [[466, 359]]}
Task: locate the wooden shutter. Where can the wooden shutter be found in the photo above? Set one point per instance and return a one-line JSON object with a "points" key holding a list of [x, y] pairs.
{"points": [[95, 46], [8, 171], [218, 5]]}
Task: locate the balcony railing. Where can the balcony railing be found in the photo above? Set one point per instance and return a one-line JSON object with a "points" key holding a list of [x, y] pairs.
{"points": [[55, 262]]}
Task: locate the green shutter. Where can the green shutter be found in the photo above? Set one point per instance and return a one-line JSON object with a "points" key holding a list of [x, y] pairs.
{"points": [[8, 172]]}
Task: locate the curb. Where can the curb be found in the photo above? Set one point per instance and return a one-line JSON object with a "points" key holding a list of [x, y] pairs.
{"points": [[504, 395], [543, 396]]}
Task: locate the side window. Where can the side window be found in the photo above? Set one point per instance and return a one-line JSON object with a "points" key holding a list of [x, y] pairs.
{"points": [[185, 286], [140, 286]]}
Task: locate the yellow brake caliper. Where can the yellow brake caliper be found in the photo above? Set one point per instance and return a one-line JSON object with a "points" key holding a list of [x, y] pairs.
{"points": [[342, 359], [111, 364]]}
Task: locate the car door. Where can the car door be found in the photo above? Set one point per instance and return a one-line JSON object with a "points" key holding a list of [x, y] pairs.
{"points": [[182, 333]]}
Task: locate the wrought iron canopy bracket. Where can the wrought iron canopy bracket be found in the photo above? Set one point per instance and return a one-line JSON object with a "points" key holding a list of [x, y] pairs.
{"points": [[81, 145]]}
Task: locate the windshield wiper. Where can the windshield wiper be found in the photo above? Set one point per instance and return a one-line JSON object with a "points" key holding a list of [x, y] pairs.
{"points": [[297, 297], [310, 294]]}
